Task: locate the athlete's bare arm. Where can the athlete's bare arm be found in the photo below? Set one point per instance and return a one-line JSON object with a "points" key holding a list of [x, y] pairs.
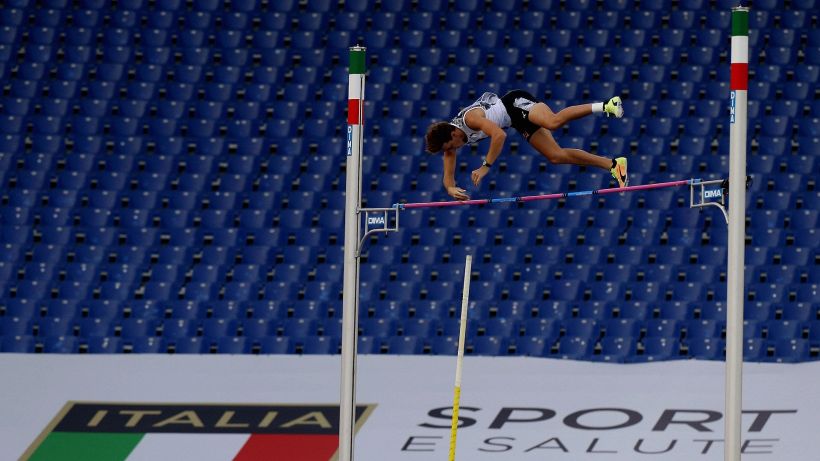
{"points": [[449, 178], [476, 120]]}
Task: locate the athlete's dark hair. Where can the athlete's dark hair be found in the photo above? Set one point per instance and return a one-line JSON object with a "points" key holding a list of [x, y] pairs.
{"points": [[438, 134]]}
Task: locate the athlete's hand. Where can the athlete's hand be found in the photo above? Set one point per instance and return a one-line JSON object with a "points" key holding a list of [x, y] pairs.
{"points": [[458, 193], [478, 174]]}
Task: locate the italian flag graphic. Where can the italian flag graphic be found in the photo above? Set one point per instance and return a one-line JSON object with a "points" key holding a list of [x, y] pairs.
{"points": [[159, 432]]}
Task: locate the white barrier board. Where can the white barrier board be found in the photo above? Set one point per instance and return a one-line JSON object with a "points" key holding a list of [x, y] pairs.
{"points": [[237, 407]]}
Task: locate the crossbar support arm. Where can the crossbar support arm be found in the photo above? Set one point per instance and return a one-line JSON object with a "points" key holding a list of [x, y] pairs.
{"points": [[378, 217]]}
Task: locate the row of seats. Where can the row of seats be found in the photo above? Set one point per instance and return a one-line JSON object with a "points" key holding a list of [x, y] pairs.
{"points": [[49, 119], [397, 130], [302, 264], [526, 291], [779, 49], [20, 314], [387, 158], [608, 350], [218, 265], [781, 210], [541, 65], [271, 30], [674, 319], [44, 114], [781, 100], [551, 247], [76, 275], [76, 190], [459, 18], [581, 47], [767, 237], [398, 120], [297, 266], [51, 257], [287, 174], [74, 177], [34, 244], [571, 83], [766, 226], [324, 6], [232, 195], [655, 157]]}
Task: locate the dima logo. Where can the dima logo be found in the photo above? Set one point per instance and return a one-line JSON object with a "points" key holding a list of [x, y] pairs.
{"points": [[375, 220], [716, 193]]}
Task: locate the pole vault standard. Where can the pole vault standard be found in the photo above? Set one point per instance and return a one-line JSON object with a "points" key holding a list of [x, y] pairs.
{"points": [[350, 297], [737, 229]]}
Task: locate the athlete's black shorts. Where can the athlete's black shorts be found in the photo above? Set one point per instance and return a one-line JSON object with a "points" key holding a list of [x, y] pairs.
{"points": [[518, 104]]}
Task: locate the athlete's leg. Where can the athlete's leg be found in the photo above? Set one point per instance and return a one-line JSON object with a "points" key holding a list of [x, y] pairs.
{"points": [[543, 116], [545, 144]]}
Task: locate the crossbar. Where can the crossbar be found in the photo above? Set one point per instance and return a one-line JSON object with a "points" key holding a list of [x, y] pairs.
{"points": [[533, 198]]}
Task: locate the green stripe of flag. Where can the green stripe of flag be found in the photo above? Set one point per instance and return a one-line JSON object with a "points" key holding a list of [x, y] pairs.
{"points": [[357, 61], [740, 21], [86, 446]]}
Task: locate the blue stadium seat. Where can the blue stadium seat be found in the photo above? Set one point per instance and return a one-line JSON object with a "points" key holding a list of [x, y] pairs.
{"points": [[574, 348], [18, 344], [233, 346], [190, 345], [257, 329], [623, 328], [275, 345], [104, 345], [61, 344], [404, 345], [420, 327], [656, 349], [617, 349], [706, 348], [444, 345], [791, 350], [783, 330], [489, 345], [136, 328], [533, 347], [15, 326]]}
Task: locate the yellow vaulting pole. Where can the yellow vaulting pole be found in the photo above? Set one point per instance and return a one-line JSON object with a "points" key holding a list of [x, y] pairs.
{"points": [[462, 333]]}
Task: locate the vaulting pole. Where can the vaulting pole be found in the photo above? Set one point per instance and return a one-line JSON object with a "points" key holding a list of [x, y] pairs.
{"points": [[462, 339], [350, 294], [737, 228]]}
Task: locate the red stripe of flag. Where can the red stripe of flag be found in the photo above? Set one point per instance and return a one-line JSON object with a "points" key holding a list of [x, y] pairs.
{"points": [[353, 111], [739, 77], [297, 447]]}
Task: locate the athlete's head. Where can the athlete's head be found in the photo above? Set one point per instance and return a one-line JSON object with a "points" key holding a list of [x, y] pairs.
{"points": [[443, 136]]}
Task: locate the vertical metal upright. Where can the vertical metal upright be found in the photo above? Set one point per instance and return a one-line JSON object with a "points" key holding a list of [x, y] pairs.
{"points": [[350, 303], [739, 86]]}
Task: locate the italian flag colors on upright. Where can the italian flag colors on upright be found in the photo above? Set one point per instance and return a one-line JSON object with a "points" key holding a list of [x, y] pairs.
{"points": [[160, 432], [355, 102], [740, 49]]}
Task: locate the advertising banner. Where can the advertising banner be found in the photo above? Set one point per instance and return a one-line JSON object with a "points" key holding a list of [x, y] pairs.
{"points": [[166, 407]]}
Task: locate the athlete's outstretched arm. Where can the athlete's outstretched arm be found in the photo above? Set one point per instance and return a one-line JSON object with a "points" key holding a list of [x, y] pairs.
{"points": [[497, 138], [449, 176]]}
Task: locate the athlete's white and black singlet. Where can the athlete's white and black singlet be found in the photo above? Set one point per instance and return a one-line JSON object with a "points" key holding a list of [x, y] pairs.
{"points": [[510, 110]]}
